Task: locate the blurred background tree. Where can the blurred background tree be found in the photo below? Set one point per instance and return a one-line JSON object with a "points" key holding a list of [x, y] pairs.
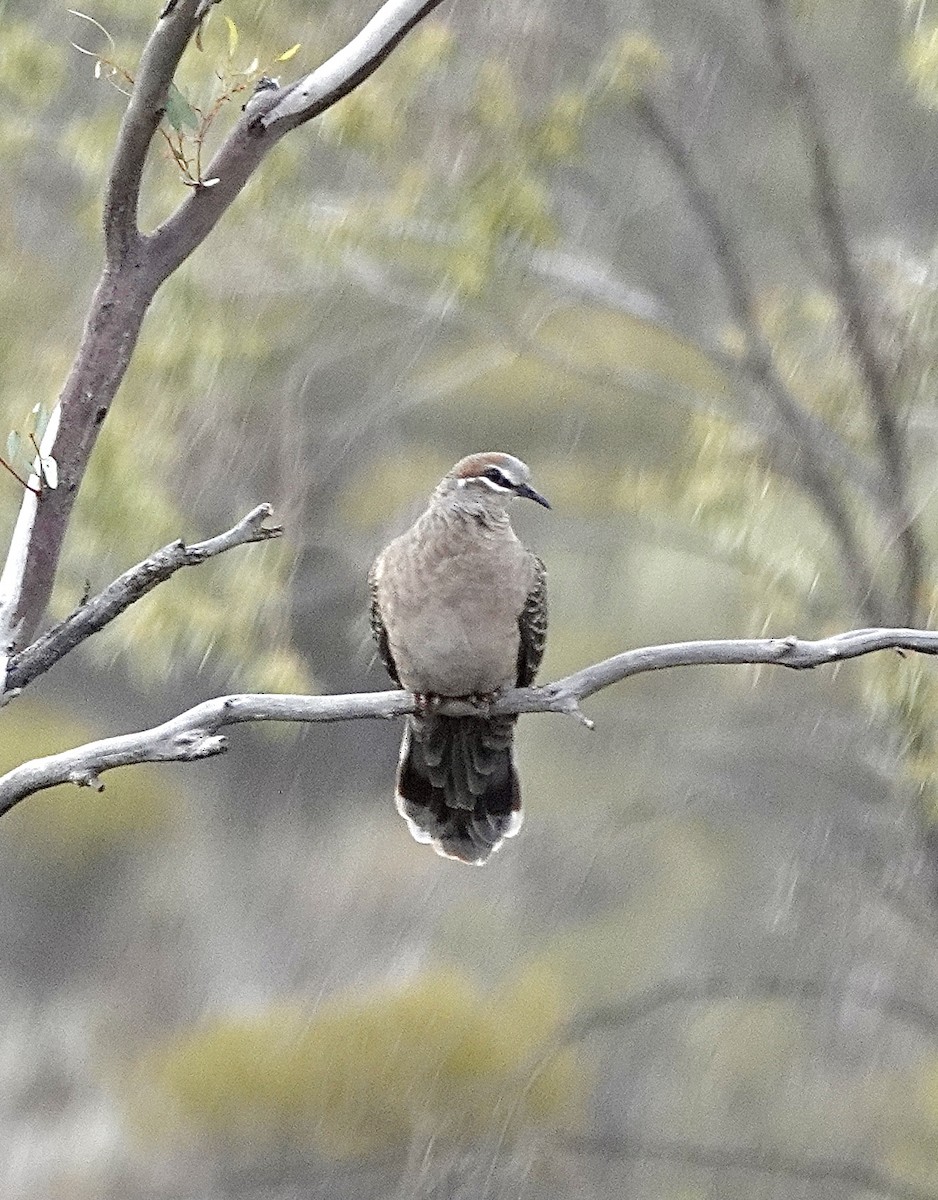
{"points": [[598, 240]]}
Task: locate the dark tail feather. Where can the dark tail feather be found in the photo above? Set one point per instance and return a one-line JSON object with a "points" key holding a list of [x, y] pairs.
{"points": [[457, 786]]}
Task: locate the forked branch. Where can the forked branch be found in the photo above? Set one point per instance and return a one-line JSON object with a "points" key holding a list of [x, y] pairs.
{"points": [[196, 733], [92, 615], [138, 264]]}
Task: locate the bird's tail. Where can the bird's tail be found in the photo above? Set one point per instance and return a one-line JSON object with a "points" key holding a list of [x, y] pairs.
{"points": [[457, 786]]}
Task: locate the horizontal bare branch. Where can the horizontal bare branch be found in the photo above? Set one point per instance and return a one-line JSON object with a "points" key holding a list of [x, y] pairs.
{"points": [[127, 589], [195, 733]]}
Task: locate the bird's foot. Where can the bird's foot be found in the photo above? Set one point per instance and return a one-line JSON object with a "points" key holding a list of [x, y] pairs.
{"points": [[483, 701], [426, 703]]}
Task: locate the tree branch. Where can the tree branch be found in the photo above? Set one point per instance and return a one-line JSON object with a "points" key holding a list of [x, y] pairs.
{"points": [[136, 268], [757, 988], [351, 65], [195, 733], [15, 567], [161, 55], [275, 116], [807, 431], [762, 1160], [850, 291], [127, 589]]}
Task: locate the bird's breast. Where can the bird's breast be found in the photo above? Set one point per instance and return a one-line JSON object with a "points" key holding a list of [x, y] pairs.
{"points": [[451, 606]]}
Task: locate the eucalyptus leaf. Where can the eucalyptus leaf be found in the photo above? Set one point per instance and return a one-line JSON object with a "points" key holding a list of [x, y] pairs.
{"points": [[40, 420], [179, 112]]}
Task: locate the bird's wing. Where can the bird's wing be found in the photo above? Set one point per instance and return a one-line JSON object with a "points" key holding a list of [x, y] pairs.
{"points": [[532, 625], [378, 628]]}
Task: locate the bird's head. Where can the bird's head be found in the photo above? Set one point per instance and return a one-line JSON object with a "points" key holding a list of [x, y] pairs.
{"points": [[484, 483]]}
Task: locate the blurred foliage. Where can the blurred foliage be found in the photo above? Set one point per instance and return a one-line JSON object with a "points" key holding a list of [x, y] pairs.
{"points": [[632, 64], [445, 262], [910, 1143], [365, 1073]]}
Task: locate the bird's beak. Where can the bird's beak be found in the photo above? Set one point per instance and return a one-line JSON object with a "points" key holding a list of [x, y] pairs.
{"points": [[530, 494]]}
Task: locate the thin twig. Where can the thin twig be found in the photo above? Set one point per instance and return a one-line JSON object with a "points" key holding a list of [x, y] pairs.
{"points": [[195, 733], [94, 614]]}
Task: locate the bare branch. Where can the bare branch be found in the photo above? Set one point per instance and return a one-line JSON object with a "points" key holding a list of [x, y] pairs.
{"points": [[850, 291], [758, 1159], [351, 65], [758, 362], [127, 589], [143, 114], [136, 268], [195, 733], [756, 988], [644, 1004]]}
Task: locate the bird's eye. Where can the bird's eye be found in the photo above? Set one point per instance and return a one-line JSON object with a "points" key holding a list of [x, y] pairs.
{"points": [[495, 476]]}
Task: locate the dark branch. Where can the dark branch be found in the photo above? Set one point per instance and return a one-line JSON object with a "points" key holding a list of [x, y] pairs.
{"points": [[130, 587], [195, 733], [807, 431], [850, 291]]}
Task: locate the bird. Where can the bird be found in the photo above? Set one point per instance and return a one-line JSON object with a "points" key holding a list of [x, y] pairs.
{"points": [[459, 609]]}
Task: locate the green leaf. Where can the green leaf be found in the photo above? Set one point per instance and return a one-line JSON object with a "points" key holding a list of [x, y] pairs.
{"points": [[232, 37], [287, 54], [179, 111], [14, 444], [40, 415]]}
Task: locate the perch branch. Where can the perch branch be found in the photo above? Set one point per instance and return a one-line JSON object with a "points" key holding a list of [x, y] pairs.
{"points": [[127, 589], [195, 733]]}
